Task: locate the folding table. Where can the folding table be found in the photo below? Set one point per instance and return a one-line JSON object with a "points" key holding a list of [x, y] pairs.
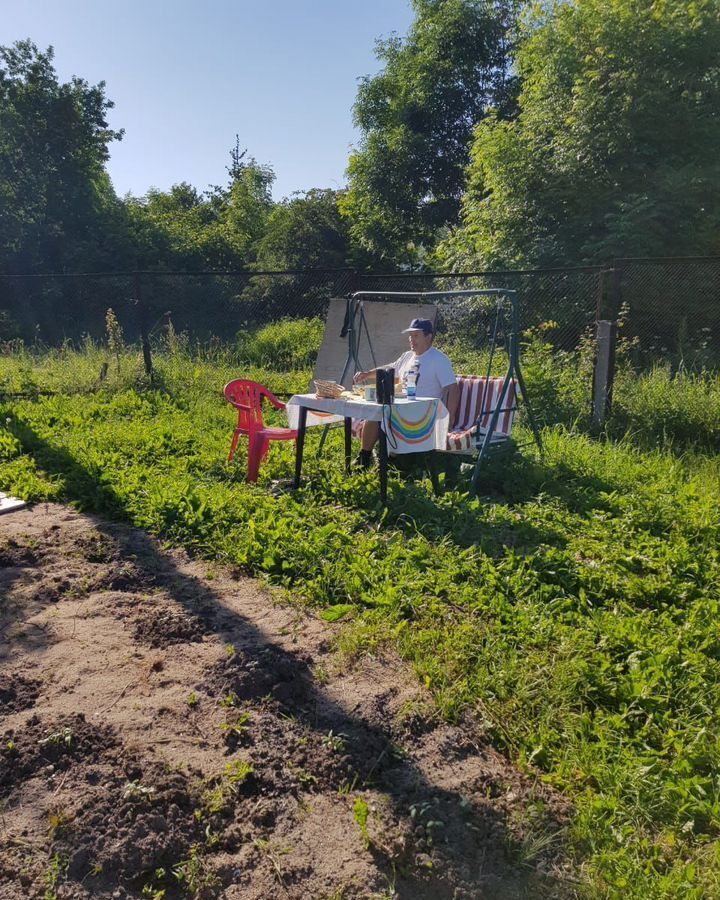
{"points": [[406, 426]]}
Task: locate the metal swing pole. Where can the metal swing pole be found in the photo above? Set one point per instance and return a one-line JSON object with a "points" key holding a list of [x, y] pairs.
{"points": [[513, 371], [353, 307], [514, 354]]}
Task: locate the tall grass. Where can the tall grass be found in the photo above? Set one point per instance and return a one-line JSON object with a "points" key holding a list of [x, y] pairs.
{"points": [[573, 607]]}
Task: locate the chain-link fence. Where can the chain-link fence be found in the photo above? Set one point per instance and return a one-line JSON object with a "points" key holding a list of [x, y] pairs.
{"points": [[668, 309], [53, 308], [50, 309]]}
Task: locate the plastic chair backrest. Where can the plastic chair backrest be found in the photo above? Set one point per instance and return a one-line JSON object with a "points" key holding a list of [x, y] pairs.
{"points": [[246, 397]]}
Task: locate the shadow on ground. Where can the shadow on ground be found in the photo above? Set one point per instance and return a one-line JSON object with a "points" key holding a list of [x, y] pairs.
{"points": [[472, 853]]}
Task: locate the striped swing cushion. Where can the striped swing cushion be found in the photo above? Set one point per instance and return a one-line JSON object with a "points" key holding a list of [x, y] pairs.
{"points": [[463, 436]]}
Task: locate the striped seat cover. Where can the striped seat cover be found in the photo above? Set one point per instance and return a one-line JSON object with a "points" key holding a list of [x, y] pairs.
{"points": [[462, 437]]}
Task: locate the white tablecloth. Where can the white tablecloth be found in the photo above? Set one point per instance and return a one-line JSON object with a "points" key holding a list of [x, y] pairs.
{"points": [[414, 426]]}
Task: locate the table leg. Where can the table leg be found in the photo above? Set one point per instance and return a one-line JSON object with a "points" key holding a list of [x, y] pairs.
{"points": [[382, 447], [300, 444], [348, 442]]}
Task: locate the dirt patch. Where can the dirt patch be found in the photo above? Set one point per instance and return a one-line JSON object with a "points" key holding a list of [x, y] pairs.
{"points": [[50, 747], [160, 626], [15, 555], [17, 692], [166, 728]]}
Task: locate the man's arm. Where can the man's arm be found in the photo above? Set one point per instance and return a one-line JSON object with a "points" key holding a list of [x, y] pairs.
{"points": [[360, 377], [451, 399]]}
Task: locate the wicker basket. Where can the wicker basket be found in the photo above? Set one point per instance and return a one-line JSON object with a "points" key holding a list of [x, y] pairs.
{"points": [[328, 390]]}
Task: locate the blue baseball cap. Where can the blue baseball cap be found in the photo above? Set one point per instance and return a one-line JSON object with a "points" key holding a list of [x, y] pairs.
{"points": [[424, 325]]}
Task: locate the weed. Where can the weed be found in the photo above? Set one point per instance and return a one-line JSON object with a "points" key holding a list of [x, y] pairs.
{"points": [[54, 874], [156, 886], [321, 675], [176, 342], [274, 852], [534, 846], [235, 727], [136, 791], [114, 334], [338, 894], [192, 700], [335, 742], [421, 815], [288, 344], [347, 787], [58, 821], [414, 711], [305, 778], [217, 799], [62, 738], [195, 874], [237, 771], [229, 700], [361, 813]]}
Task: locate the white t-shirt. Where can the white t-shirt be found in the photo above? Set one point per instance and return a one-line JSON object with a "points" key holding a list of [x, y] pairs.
{"points": [[433, 371]]}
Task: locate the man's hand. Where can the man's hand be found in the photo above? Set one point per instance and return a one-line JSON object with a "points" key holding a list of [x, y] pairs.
{"points": [[360, 377]]}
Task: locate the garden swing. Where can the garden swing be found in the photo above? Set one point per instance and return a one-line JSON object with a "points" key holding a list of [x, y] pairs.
{"points": [[487, 403]]}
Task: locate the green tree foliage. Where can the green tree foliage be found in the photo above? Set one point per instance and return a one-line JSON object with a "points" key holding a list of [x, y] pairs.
{"points": [[57, 207], [185, 228], [416, 119], [305, 232], [615, 148]]}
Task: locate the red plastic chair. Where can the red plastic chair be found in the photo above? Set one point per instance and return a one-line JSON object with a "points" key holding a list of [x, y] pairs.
{"points": [[247, 397]]}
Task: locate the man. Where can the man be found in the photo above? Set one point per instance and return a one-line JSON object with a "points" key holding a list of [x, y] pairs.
{"points": [[434, 377]]}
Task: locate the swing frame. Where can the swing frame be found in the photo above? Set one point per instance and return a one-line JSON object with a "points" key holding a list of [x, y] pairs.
{"points": [[514, 371]]}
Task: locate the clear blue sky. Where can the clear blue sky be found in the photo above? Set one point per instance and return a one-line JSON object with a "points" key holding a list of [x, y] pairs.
{"points": [[186, 77]]}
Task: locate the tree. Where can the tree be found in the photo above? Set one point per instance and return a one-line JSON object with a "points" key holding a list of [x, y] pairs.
{"points": [[305, 232], [614, 151], [416, 118], [56, 200], [184, 228]]}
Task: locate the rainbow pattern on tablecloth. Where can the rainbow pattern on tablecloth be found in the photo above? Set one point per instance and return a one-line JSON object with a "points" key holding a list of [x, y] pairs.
{"points": [[413, 431]]}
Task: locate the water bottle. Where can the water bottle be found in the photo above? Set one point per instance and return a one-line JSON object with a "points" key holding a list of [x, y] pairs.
{"points": [[410, 384]]}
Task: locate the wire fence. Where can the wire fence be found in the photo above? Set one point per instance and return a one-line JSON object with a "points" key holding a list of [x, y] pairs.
{"points": [[669, 309], [50, 309]]}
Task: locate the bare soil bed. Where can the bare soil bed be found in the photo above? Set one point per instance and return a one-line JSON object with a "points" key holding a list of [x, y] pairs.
{"points": [[168, 726]]}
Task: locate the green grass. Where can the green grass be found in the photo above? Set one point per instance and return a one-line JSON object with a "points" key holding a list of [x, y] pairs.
{"points": [[574, 607]]}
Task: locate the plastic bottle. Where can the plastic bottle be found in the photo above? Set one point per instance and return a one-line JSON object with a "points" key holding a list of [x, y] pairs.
{"points": [[410, 384]]}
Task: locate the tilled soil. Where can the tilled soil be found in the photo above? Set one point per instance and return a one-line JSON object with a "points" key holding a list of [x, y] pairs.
{"points": [[169, 729]]}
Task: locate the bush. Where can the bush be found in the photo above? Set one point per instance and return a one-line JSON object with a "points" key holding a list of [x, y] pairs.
{"points": [[287, 344]]}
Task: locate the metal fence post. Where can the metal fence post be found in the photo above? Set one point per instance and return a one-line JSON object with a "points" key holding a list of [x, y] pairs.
{"points": [[142, 325], [616, 289], [604, 374]]}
